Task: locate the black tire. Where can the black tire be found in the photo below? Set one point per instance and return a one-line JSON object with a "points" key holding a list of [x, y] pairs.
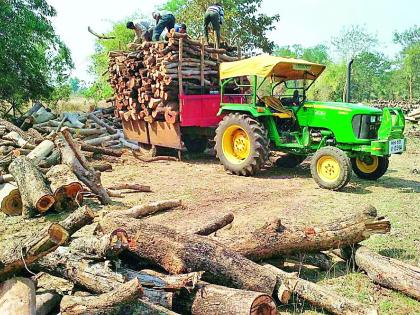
{"points": [[195, 145], [378, 172], [335, 163], [258, 144], [290, 160]]}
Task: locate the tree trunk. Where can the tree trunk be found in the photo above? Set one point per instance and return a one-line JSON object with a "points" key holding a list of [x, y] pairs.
{"points": [[41, 151], [136, 187], [386, 271], [115, 301], [147, 209], [17, 297], [100, 150], [277, 240], [181, 253], [98, 141], [36, 195], [215, 299], [19, 140], [72, 156], [78, 219], [6, 178], [15, 254], [9, 126], [53, 159], [101, 123], [11, 202], [66, 188], [215, 225], [317, 295]]}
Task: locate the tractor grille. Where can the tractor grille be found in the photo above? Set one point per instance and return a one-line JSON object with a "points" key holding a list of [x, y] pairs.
{"points": [[366, 126]]}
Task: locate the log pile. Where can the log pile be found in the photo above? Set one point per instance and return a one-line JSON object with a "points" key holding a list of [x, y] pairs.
{"points": [[406, 106], [147, 81], [48, 165], [128, 265]]}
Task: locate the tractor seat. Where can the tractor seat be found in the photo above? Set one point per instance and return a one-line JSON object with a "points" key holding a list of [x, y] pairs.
{"points": [[279, 110]]}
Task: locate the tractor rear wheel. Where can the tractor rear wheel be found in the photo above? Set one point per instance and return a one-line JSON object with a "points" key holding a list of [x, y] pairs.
{"points": [[331, 168], [241, 144], [370, 167], [290, 160]]}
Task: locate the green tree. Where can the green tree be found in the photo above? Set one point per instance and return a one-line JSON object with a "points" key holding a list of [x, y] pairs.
{"points": [[353, 40], [318, 53], [407, 78], [33, 59], [243, 24]]}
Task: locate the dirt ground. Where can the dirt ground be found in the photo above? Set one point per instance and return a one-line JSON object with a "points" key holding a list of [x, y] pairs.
{"points": [[208, 191]]}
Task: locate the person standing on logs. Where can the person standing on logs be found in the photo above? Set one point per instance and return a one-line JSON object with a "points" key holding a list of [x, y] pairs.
{"points": [[164, 19], [142, 30], [214, 15], [181, 28]]}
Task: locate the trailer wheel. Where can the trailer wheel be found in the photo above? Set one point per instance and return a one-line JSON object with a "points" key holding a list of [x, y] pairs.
{"points": [[290, 160], [241, 144], [331, 168], [370, 167], [195, 145]]}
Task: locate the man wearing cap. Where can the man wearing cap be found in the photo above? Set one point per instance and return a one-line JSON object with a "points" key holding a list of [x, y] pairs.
{"points": [[164, 19]]}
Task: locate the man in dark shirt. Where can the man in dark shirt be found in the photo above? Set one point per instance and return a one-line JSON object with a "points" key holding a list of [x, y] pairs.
{"points": [[214, 16]]}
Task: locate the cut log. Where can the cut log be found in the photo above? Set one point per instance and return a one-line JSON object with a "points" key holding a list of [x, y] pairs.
{"points": [[11, 202], [36, 195], [320, 260], [6, 178], [78, 219], [18, 140], [102, 167], [180, 253], [66, 188], [98, 141], [116, 301], [17, 296], [15, 254], [9, 126], [50, 283], [385, 271], [136, 187], [101, 123], [154, 158], [215, 299], [46, 302], [53, 159], [41, 151], [215, 225], [72, 156], [274, 239], [100, 150], [317, 295], [147, 209], [73, 118]]}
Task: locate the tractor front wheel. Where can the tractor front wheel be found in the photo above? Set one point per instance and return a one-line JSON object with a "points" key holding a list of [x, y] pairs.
{"points": [[241, 144], [331, 168], [370, 167]]}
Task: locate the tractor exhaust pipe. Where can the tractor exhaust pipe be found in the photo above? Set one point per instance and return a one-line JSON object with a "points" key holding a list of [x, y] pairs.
{"points": [[348, 82]]}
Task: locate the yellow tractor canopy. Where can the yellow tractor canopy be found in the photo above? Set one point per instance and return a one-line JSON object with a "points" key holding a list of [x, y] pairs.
{"points": [[281, 68]]}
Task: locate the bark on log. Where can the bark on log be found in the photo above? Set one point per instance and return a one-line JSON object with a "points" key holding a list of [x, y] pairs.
{"points": [[18, 140], [17, 296], [15, 254], [67, 189], [98, 141], [53, 159], [136, 187], [6, 178], [180, 253], [9, 126], [320, 260], [317, 295], [100, 150], [78, 219], [72, 156], [385, 271], [215, 225], [49, 283], [11, 202], [275, 239], [147, 209], [116, 301], [46, 302], [36, 195], [215, 299], [41, 151], [101, 123]]}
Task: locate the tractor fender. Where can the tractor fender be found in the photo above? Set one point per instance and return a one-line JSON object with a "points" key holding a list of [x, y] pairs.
{"points": [[251, 110]]}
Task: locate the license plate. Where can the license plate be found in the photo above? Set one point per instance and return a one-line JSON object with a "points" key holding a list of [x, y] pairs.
{"points": [[396, 146]]}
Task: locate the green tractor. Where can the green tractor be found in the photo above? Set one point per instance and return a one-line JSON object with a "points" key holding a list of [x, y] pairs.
{"points": [[272, 113]]}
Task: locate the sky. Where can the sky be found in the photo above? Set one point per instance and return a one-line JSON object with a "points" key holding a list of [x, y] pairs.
{"points": [[305, 22]]}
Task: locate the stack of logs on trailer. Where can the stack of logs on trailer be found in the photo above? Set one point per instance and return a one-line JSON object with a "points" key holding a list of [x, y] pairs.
{"points": [[147, 81]]}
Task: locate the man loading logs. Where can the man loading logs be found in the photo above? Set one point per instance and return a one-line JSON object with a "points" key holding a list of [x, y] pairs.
{"points": [[143, 30], [214, 16], [164, 19]]}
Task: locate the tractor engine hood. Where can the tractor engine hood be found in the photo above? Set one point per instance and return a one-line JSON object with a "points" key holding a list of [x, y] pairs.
{"points": [[344, 108]]}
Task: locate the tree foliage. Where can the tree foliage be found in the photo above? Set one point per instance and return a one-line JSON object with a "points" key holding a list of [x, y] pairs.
{"points": [[33, 59], [243, 24]]}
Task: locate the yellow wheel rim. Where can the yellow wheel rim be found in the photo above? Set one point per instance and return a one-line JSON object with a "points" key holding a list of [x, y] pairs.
{"points": [[328, 168], [367, 165], [236, 145]]}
